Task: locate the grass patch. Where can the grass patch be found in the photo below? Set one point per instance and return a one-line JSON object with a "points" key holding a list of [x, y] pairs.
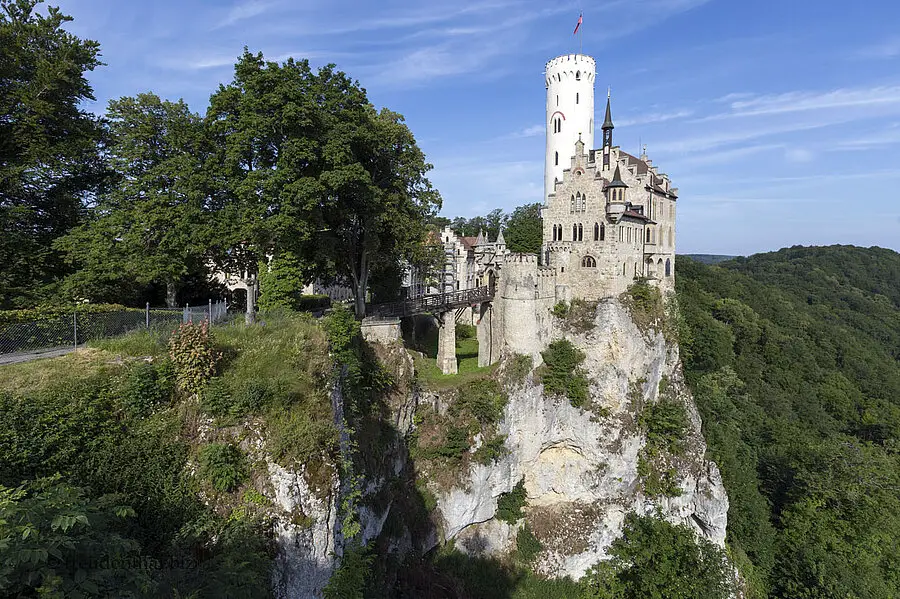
{"points": [[527, 546], [142, 342], [431, 377], [37, 375]]}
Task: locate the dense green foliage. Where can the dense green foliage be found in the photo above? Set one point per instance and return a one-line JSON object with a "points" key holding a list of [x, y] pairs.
{"points": [[49, 145], [510, 504], [193, 355], [793, 359], [124, 516], [562, 373], [223, 465], [657, 560]]}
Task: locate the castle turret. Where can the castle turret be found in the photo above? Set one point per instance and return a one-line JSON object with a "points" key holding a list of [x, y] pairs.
{"points": [[615, 195], [570, 111]]}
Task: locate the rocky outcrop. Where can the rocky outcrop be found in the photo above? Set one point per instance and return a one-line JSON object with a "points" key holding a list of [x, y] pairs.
{"points": [[580, 466]]}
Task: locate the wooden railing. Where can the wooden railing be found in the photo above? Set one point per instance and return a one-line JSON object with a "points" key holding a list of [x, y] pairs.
{"points": [[431, 304]]}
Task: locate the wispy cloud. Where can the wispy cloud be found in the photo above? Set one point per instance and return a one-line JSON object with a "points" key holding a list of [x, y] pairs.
{"points": [[801, 101], [875, 139], [243, 11], [887, 49], [654, 117]]}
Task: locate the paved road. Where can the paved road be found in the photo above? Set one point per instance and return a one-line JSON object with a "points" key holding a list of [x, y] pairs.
{"points": [[34, 355]]}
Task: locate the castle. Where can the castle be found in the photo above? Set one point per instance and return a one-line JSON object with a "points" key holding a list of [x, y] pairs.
{"points": [[608, 218]]}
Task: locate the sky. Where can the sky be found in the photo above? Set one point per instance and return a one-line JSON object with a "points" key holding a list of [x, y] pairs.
{"points": [[779, 121]]}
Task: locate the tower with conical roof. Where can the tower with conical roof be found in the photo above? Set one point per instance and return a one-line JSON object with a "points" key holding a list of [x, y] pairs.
{"points": [[570, 112]]}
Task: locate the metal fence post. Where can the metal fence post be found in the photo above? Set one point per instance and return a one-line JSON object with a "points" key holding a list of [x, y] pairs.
{"points": [[210, 311], [147, 315], [75, 327]]}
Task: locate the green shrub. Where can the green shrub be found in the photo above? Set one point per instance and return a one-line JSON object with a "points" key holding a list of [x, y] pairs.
{"points": [[517, 369], [527, 545], [666, 424], [509, 505], [191, 351], [491, 450], [313, 303], [147, 386], [223, 465], [466, 331], [562, 374], [353, 575], [560, 310], [483, 399], [657, 482], [644, 301]]}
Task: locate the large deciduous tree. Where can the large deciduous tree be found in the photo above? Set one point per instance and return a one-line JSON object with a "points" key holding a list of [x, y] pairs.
{"points": [[267, 126], [148, 227], [306, 165], [48, 144], [376, 203]]}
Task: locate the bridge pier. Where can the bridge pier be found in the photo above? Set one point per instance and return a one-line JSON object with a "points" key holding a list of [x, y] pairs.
{"points": [[488, 338], [446, 353]]}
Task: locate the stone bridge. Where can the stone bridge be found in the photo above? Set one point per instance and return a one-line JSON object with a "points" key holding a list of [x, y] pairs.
{"points": [[382, 322]]}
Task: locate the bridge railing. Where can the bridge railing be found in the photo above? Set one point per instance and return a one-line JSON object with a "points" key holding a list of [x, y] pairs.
{"points": [[438, 302]]}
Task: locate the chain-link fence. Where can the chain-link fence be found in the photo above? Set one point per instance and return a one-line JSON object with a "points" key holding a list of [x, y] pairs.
{"points": [[75, 329]]}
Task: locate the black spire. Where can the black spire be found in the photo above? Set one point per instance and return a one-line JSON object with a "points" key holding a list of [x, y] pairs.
{"points": [[617, 179], [607, 122]]}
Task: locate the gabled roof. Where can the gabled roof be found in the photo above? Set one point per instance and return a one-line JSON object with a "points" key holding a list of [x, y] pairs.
{"points": [[468, 242], [641, 167]]}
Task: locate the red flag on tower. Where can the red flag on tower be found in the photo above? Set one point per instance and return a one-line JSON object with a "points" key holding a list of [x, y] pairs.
{"points": [[578, 24]]}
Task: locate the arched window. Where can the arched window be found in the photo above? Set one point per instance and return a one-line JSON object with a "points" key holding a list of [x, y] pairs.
{"points": [[572, 204], [668, 267], [602, 232], [574, 232], [624, 266], [558, 125], [659, 267], [577, 75], [648, 234], [596, 232], [580, 232], [576, 97], [588, 262]]}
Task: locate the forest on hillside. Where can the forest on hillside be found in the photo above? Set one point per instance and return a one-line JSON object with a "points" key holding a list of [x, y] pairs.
{"points": [[793, 360]]}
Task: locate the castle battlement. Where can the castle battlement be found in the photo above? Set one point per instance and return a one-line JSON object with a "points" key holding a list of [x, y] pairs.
{"points": [[521, 259]]}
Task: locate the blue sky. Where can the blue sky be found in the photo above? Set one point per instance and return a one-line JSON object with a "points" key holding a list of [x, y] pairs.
{"points": [[779, 121]]}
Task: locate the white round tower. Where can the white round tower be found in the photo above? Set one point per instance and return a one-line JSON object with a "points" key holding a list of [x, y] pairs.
{"points": [[570, 112]]}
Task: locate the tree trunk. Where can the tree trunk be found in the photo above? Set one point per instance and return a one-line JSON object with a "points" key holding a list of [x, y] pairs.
{"points": [[250, 314], [170, 295], [360, 284]]}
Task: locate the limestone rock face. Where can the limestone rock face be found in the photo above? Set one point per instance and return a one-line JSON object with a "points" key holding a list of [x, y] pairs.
{"points": [[306, 534], [580, 465]]}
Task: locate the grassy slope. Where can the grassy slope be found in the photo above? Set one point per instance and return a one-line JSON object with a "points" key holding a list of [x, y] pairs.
{"points": [[83, 416]]}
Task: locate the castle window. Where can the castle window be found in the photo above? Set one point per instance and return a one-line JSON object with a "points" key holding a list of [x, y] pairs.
{"points": [[580, 232], [668, 267], [574, 232], [555, 158], [588, 262], [576, 97], [648, 234], [572, 204], [602, 232], [577, 75], [596, 232], [557, 100]]}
